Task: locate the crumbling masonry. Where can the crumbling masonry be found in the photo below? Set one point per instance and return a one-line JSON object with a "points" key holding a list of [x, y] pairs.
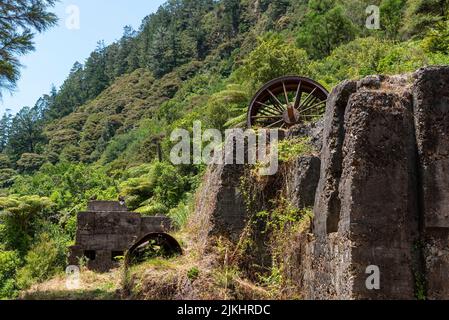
{"points": [[383, 195], [107, 230]]}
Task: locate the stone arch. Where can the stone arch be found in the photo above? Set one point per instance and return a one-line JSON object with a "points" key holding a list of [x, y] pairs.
{"points": [[169, 244]]}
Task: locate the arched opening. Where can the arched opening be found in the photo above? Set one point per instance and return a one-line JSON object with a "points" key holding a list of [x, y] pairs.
{"points": [[151, 246]]}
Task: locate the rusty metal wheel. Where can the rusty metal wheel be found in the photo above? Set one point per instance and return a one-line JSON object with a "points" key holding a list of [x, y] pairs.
{"points": [[287, 101]]}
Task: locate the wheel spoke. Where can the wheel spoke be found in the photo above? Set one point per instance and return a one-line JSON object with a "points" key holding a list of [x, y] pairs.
{"points": [[298, 96], [269, 112], [274, 111], [286, 94], [278, 107], [266, 105], [275, 123], [309, 104], [267, 123], [267, 117], [316, 105], [276, 100], [308, 98]]}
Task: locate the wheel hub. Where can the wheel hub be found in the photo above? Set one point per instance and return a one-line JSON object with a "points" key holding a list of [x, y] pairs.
{"points": [[291, 116]]}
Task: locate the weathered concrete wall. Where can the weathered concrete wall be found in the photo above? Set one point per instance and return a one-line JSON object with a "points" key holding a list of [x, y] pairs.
{"points": [[431, 109], [301, 180], [383, 190], [106, 206], [220, 207], [378, 193], [99, 230], [327, 204], [231, 197], [111, 228]]}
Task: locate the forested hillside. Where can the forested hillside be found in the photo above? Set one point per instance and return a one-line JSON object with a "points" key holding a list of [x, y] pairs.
{"points": [[96, 136]]}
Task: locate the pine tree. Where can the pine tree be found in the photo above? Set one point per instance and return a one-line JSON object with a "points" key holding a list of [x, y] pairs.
{"points": [[5, 124], [232, 13], [18, 20], [161, 53], [95, 71], [72, 94], [126, 59], [25, 133]]}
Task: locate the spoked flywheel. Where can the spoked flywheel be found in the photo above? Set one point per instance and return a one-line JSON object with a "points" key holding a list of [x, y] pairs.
{"points": [[287, 101]]}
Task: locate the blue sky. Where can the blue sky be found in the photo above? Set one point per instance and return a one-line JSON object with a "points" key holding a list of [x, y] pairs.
{"points": [[58, 48]]}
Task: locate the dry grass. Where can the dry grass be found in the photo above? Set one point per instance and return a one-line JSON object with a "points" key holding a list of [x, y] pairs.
{"points": [[93, 286]]}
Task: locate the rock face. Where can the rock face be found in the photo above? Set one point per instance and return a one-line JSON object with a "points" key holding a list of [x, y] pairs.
{"points": [[332, 158], [301, 180], [220, 207], [383, 190], [431, 109]]}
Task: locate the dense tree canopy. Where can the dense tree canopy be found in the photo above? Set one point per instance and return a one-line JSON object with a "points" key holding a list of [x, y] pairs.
{"points": [[25, 132], [194, 36], [5, 125], [324, 28]]}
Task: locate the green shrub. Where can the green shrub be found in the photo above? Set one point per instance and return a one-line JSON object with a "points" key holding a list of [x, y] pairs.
{"points": [[181, 213], [30, 162], [19, 217], [274, 57], [41, 263], [9, 263], [137, 191], [7, 177], [162, 184], [437, 40], [291, 149], [193, 274], [68, 185], [152, 208], [5, 162], [408, 57], [353, 60], [224, 105]]}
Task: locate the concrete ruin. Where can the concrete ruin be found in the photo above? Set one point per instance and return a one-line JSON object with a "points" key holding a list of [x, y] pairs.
{"points": [[107, 230], [381, 196]]}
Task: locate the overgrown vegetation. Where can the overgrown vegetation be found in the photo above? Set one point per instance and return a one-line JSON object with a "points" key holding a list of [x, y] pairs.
{"points": [[97, 136]]}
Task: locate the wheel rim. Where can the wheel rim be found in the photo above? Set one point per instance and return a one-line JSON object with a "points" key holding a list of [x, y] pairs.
{"points": [[287, 101]]}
